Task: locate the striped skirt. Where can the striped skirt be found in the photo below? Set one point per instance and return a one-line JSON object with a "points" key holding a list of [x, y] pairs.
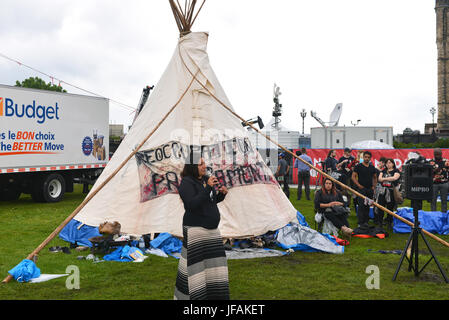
{"points": [[202, 269]]}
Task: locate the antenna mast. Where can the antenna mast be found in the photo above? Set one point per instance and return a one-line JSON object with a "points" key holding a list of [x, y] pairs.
{"points": [[277, 110]]}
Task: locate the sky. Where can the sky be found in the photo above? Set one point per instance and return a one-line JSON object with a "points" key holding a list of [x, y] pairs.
{"points": [[377, 58]]}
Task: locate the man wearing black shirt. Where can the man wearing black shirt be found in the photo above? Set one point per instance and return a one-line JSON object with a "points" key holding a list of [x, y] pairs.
{"points": [[440, 180], [365, 178]]}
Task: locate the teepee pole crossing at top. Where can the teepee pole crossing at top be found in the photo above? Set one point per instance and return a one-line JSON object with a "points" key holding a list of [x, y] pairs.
{"points": [[184, 18]]}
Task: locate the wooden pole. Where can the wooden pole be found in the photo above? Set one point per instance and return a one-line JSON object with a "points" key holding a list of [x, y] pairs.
{"points": [[311, 166], [95, 191]]}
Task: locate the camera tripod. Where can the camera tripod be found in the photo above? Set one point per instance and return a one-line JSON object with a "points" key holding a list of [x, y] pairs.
{"points": [[413, 242]]}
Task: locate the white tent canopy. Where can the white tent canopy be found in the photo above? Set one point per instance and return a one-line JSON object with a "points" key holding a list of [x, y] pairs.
{"points": [[370, 144], [143, 196]]}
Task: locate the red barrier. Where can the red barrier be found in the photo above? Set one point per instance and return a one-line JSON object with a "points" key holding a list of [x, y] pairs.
{"points": [[400, 156]]}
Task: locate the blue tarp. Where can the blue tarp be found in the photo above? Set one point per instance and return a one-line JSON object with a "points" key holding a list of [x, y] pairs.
{"points": [[167, 243], [122, 254], [81, 236], [313, 238], [431, 221], [25, 271]]}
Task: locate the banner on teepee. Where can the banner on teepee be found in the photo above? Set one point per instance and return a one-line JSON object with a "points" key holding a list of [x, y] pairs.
{"points": [[234, 162]]}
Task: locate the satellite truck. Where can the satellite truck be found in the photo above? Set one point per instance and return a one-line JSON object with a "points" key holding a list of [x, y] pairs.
{"points": [[49, 141]]}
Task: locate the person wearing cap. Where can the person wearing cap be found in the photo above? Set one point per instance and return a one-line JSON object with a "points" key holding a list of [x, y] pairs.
{"points": [[282, 174], [345, 170], [303, 173], [344, 163]]}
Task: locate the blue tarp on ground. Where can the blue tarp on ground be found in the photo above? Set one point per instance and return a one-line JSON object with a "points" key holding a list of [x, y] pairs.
{"points": [[122, 254], [25, 271], [167, 243], [300, 237], [76, 232], [431, 221]]}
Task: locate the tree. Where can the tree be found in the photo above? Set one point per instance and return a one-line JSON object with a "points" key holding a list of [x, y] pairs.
{"points": [[38, 83]]}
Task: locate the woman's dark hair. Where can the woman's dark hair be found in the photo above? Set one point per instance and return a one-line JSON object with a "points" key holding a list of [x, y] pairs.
{"points": [[333, 190], [190, 170], [330, 152], [392, 161]]}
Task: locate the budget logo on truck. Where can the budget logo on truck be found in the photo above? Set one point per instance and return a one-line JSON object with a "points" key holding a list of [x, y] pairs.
{"points": [[31, 110]]}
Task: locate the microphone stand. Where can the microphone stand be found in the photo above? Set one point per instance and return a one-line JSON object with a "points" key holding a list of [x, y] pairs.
{"points": [[413, 239]]}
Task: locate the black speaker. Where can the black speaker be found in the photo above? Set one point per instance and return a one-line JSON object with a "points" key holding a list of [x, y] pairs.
{"points": [[418, 181]]}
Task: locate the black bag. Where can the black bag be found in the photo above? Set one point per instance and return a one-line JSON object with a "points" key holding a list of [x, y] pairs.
{"points": [[339, 210]]}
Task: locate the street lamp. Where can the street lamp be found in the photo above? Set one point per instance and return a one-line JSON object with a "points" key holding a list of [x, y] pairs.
{"points": [[432, 111], [303, 114], [356, 122]]}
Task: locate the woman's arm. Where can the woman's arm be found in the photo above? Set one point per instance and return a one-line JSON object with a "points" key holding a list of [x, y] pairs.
{"points": [[331, 204], [395, 177], [320, 204]]}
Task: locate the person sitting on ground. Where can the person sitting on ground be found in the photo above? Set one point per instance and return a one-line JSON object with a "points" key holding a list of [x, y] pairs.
{"points": [[329, 202]]}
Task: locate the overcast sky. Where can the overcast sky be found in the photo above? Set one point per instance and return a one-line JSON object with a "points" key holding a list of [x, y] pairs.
{"points": [[378, 58]]}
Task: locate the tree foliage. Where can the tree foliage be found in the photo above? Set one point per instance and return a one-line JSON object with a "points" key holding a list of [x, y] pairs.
{"points": [[440, 143], [38, 83]]}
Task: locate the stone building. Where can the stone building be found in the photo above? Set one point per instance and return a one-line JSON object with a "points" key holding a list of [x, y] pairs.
{"points": [[442, 32]]}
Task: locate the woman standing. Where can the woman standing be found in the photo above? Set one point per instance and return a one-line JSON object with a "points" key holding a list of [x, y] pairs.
{"points": [[202, 269], [331, 163], [329, 201], [389, 179]]}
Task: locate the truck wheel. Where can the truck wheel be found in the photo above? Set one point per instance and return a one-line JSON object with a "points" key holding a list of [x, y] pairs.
{"points": [[54, 188], [49, 188]]}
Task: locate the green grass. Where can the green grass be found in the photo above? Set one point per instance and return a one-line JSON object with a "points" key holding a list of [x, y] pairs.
{"points": [[298, 276]]}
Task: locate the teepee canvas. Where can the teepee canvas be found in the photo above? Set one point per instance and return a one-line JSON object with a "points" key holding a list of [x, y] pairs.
{"points": [[143, 195]]}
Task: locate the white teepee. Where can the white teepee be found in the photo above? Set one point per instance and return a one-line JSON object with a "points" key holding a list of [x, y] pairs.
{"points": [[143, 196]]}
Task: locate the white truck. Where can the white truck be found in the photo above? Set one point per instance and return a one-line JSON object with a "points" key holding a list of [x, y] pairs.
{"points": [[49, 141]]}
